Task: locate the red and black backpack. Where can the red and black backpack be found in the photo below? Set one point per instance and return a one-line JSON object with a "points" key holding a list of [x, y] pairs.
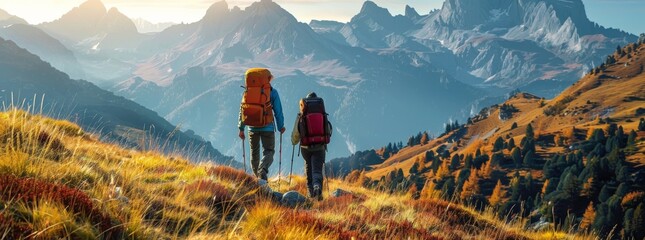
{"points": [[314, 127]]}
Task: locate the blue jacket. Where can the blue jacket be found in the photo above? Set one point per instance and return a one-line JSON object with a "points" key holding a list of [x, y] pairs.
{"points": [[277, 114]]}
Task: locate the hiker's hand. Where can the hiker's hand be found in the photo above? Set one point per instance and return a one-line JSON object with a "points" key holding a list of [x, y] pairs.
{"points": [[241, 135], [282, 130]]}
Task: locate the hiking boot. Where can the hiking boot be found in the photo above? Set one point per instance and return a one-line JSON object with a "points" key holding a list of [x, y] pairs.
{"points": [[317, 193], [262, 175]]}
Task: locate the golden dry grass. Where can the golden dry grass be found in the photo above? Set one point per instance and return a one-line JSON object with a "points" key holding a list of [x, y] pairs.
{"points": [[146, 195]]}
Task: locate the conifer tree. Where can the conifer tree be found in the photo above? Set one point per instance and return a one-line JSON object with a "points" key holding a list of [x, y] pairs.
{"points": [[529, 184], [611, 129], [516, 154], [414, 169], [468, 162], [529, 132], [417, 138], [571, 186], [498, 195], [639, 221], [454, 162], [528, 159], [399, 175], [516, 190], [471, 186], [410, 142], [605, 193], [499, 144], [511, 144], [461, 178], [448, 188], [631, 139], [429, 156]]}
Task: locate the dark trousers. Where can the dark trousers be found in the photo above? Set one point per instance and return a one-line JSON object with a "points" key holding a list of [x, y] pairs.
{"points": [[268, 146], [314, 163]]}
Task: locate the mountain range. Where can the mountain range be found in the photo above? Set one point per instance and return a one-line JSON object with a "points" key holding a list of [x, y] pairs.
{"points": [[31, 84], [196, 79]]}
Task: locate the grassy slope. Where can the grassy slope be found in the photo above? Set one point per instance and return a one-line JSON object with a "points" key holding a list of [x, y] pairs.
{"points": [[616, 94], [57, 181]]}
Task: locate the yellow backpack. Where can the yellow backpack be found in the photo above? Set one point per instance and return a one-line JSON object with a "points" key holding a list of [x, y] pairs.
{"points": [[256, 108]]}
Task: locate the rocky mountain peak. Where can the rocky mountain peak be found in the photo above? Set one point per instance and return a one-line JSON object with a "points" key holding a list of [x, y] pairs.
{"points": [[269, 12], [410, 12], [217, 9], [4, 14], [371, 9], [92, 6], [119, 22]]}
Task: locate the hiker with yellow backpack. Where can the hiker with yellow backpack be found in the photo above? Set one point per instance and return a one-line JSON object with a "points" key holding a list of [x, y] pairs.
{"points": [[260, 105]]}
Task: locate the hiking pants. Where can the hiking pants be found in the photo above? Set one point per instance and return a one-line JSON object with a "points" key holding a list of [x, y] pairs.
{"points": [[268, 144], [314, 163]]}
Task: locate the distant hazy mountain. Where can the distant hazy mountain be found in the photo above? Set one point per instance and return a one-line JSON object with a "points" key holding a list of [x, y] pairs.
{"points": [[515, 42], [25, 76], [505, 43], [7, 19], [48, 48], [104, 41], [195, 76], [144, 26], [91, 27]]}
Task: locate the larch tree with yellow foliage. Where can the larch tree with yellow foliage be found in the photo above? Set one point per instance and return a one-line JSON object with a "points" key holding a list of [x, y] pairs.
{"points": [[498, 195], [471, 186], [588, 217], [425, 138], [443, 171], [487, 169], [429, 190]]}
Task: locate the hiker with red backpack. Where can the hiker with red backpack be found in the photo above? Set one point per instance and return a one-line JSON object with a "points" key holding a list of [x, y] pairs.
{"points": [[313, 131], [260, 105]]}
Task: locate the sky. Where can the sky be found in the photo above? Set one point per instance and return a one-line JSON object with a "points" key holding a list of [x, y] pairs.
{"points": [[622, 14]]}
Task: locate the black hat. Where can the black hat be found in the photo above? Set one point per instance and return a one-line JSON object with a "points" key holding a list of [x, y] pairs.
{"points": [[312, 95]]}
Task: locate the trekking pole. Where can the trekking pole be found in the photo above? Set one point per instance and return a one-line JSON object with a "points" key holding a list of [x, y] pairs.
{"points": [[244, 155], [291, 171], [280, 163]]}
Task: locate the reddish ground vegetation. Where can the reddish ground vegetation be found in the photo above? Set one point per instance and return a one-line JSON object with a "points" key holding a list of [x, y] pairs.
{"points": [[220, 198], [339, 202], [307, 219], [454, 215], [359, 224], [13, 230], [234, 175], [30, 190], [163, 169]]}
